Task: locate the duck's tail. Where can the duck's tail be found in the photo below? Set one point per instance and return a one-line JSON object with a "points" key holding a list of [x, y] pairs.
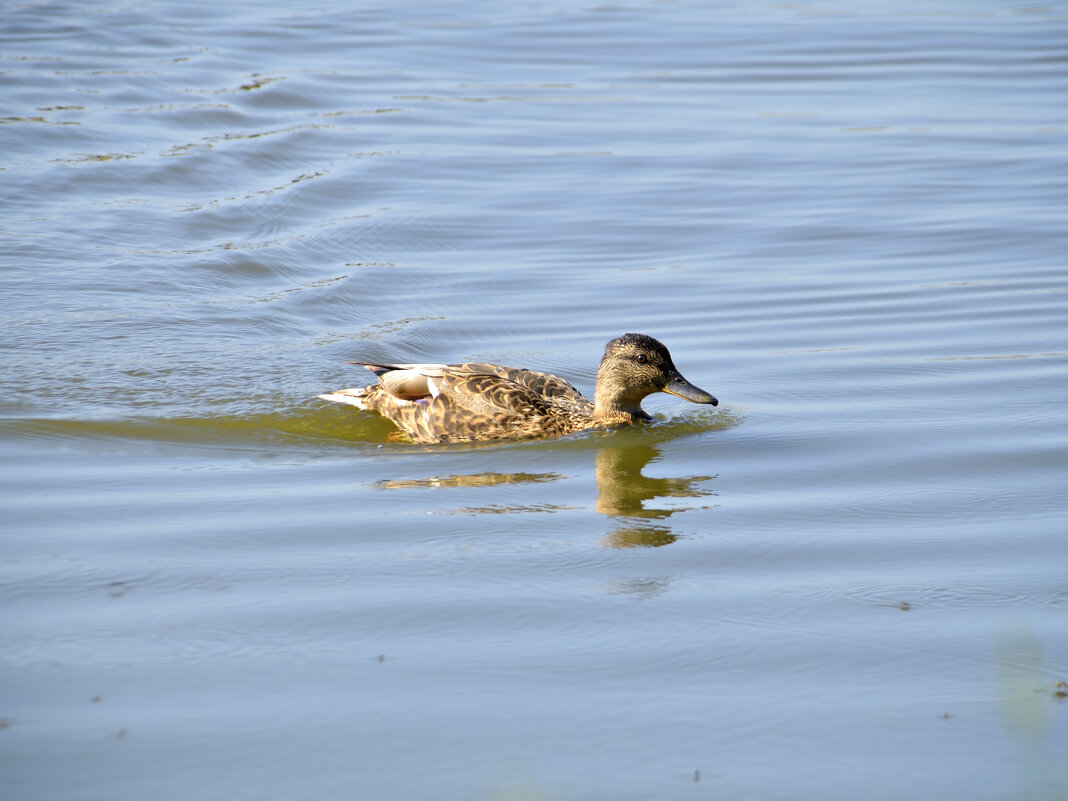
{"points": [[354, 397]]}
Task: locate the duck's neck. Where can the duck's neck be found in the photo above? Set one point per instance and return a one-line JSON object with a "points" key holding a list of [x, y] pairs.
{"points": [[614, 404]]}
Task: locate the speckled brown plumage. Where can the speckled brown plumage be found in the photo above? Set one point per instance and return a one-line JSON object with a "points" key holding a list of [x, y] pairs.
{"points": [[474, 401]]}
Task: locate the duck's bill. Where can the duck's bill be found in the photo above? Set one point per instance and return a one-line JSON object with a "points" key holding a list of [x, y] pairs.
{"points": [[687, 391]]}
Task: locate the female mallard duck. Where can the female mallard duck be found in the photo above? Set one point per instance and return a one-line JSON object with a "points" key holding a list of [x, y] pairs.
{"points": [[464, 402]]}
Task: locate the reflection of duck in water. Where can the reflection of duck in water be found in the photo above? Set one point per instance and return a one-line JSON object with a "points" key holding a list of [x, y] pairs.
{"points": [[464, 402], [622, 491]]}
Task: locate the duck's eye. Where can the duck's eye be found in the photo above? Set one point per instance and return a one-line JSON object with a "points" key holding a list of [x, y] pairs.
{"points": [[640, 358]]}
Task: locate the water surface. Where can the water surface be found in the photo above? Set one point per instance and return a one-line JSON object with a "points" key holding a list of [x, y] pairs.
{"points": [[845, 221]]}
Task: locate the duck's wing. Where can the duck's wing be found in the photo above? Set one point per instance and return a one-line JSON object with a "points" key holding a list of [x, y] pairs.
{"points": [[408, 381], [488, 401]]}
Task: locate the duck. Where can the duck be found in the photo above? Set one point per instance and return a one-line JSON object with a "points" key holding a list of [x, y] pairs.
{"points": [[472, 401]]}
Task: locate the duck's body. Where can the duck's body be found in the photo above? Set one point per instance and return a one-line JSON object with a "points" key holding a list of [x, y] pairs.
{"points": [[472, 401]]}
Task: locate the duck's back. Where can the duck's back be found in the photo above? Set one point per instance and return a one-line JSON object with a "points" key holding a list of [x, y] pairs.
{"points": [[549, 389]]}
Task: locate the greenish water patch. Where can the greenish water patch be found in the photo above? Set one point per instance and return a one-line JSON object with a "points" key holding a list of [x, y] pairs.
{"points": [[314, 428]]}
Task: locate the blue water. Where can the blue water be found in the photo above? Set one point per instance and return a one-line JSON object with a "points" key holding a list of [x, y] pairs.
{"points": [[845, 221]]}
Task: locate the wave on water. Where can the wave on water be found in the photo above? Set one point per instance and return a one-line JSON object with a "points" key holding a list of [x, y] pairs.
{"points": [[323, 427]]}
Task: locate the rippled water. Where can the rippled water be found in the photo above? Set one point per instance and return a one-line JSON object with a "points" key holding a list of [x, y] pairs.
{"points": [[845, 221]]}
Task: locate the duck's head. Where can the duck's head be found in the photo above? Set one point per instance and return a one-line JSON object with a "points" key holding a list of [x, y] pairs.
{"points": [[634, 366]]}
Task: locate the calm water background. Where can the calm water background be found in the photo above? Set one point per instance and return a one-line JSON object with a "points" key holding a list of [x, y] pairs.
{"points": [[847, 220]]}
